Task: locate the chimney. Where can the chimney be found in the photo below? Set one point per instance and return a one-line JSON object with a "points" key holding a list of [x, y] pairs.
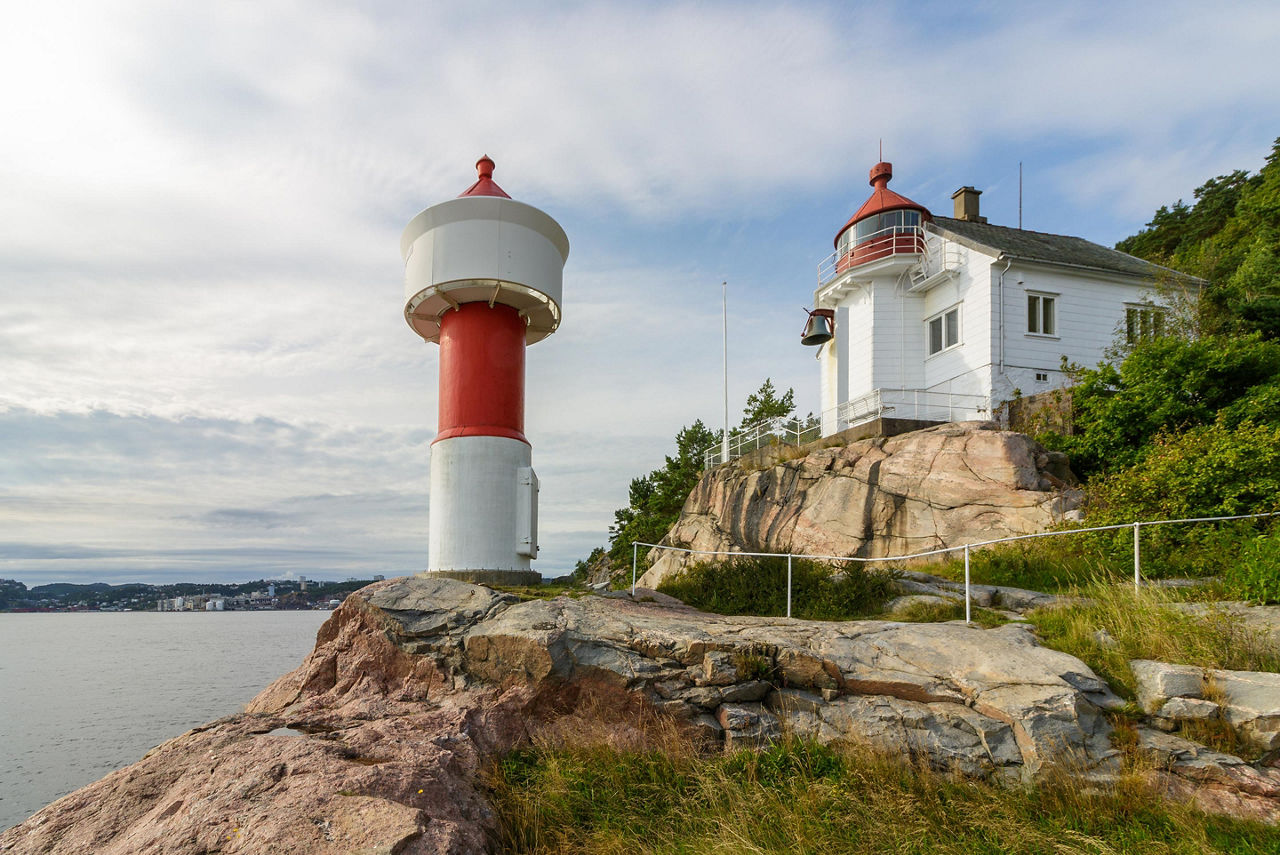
{"points": [[966, 199]]}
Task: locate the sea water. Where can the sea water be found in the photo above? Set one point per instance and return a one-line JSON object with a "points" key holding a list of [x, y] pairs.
{"points": [[84, 693]]}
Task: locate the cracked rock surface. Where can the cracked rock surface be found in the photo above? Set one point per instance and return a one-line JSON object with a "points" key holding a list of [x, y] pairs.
{"points": [[942, 486], [377, 742], [1249, 701]]}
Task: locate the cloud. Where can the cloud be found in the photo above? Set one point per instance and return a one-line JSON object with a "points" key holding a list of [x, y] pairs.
{"points": [[202, 340]]}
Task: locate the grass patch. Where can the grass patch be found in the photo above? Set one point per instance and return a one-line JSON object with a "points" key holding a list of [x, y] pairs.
{"points": [[1112, 624], [758, 586], [803, 797], [541, 592], [940, 612]]}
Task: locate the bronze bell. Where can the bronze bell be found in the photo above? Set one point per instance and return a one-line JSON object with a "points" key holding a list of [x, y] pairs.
{"points": [[820, 328]]}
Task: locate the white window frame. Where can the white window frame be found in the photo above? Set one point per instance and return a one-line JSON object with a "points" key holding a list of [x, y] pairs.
{"points": [[1036, 323], [941, 319], [1151, 320]]}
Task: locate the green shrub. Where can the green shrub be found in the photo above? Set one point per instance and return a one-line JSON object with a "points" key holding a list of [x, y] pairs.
{"points": [[1254, 574], [758, 586], [1176, 550], [1207, 471], [1164, 385]]}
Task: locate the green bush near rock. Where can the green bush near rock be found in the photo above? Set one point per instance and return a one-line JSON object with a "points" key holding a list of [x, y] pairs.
{"points": [[1242, 556], [758, 586], [1254, 575], [1043, 564]]}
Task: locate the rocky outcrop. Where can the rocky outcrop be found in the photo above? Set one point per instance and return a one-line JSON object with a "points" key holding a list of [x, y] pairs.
{"points": [[1248, 701], [1217, 782], [942, 486], [378, 742]]}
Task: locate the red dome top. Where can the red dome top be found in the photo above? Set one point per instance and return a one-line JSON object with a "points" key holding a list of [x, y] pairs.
{"points": [[882, 199], [485, 185]]}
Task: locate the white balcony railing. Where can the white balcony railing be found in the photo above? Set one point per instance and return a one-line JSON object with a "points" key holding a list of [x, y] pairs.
{"points": [[895, 240]]}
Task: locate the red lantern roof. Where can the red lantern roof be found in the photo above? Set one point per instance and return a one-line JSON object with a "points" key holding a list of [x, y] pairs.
{"points": [[882, 199], [485, 185]]}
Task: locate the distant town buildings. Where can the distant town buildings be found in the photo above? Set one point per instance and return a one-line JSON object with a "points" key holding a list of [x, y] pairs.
{"points": [[283, 594], [252, 601]]}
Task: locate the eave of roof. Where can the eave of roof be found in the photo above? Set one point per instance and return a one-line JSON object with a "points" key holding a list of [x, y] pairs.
{"points": [[1044, 248]]}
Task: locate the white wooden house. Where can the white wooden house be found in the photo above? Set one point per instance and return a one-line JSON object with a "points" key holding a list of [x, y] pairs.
{"points": [[944, 318]]}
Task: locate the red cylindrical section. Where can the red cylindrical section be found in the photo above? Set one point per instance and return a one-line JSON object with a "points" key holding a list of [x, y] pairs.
{"points": [[482, 372]]}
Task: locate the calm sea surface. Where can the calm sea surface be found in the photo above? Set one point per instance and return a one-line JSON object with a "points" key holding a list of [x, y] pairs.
{"points": [[82, 694]]}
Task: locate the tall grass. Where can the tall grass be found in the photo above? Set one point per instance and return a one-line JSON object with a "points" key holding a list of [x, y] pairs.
{"points": [[758, 586], [803, 797], [1109, 624]]}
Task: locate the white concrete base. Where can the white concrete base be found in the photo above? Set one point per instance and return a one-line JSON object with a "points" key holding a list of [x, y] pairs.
{"points": [[479, 505]]}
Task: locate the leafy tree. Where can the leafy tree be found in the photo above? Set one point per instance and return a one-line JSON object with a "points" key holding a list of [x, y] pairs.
{"points": [[764, 403], [583, 567], [1166, 385], [655, 500], [1231, 239], [1178, 229]]}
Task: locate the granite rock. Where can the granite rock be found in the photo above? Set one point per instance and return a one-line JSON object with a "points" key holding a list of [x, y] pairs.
{"points": [[942, 486]]}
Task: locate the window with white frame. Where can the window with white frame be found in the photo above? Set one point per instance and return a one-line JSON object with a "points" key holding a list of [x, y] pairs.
{"points": [[1042, 314], [944, 330], [1143, 322]]}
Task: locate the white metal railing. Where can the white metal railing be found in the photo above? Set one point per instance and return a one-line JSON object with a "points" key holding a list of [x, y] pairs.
{"points": [[940, 256], [861, 409], [894, 240], [1136, 526], [918, 404], [933, 406], [783, 430]]}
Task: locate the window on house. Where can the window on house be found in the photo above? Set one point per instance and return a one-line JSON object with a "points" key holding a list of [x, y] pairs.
{"points": [[1042, 314], [1143, 322], [944, 330]]}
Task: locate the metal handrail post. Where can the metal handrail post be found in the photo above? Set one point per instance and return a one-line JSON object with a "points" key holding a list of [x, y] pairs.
{"points": [[789, 584], [1137, 549], [1137, 558]]}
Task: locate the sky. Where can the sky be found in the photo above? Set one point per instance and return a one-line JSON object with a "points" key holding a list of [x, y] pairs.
{"points": [[205, 373]]}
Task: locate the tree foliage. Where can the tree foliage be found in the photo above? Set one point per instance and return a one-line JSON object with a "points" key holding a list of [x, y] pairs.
{"points": [[1188, 425], [764, 403], [1230, 237], [655, 500], [1166, 385], [1209, 470]]}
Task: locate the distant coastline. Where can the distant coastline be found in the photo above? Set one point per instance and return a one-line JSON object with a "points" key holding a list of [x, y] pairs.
{"points": [[299, 594]]}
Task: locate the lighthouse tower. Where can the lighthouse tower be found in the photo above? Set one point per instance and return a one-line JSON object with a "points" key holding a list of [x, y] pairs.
{"points": [[483, 277]]}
